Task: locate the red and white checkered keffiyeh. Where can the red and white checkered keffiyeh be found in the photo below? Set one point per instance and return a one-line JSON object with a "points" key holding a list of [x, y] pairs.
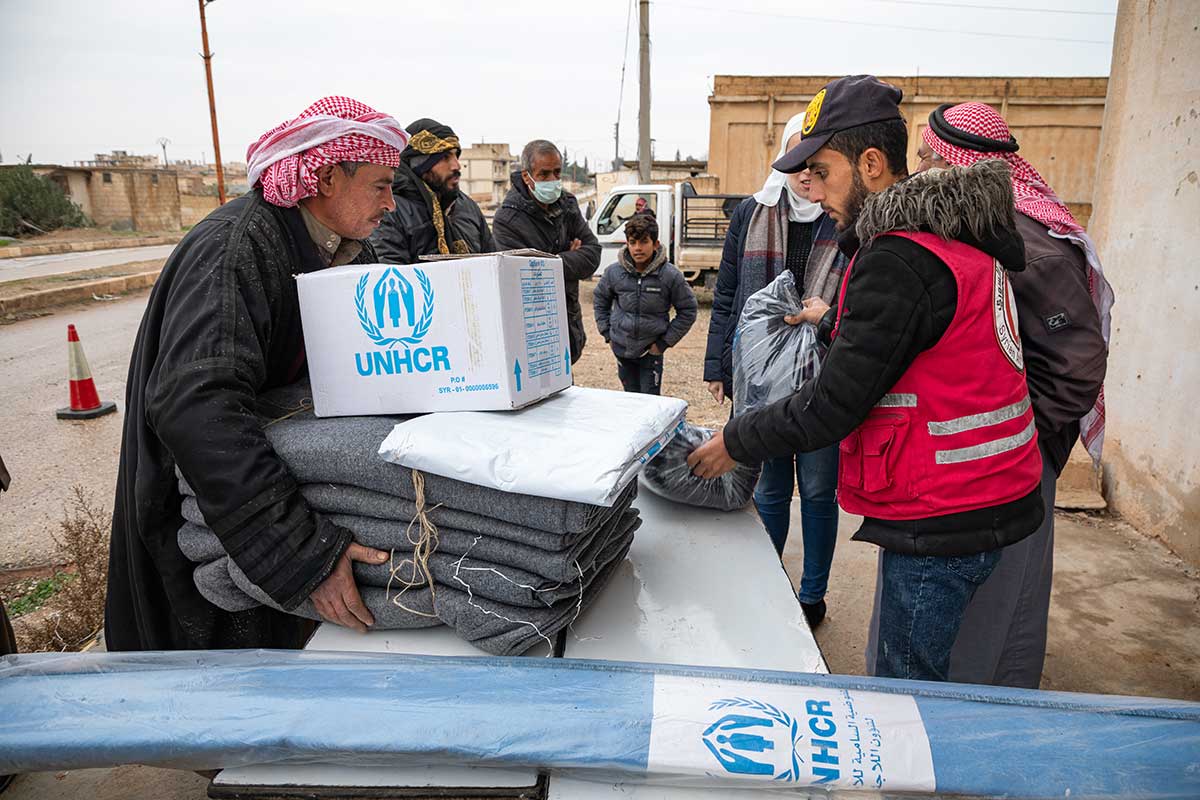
{"points": [[1034, 198], [285, 159]]}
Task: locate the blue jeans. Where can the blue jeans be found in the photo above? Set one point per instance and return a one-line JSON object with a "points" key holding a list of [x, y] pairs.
{"points": [[643, 375], [921, 608], [816, 474]]}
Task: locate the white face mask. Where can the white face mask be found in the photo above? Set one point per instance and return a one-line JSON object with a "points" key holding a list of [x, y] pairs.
{"points": [[800, 209]]}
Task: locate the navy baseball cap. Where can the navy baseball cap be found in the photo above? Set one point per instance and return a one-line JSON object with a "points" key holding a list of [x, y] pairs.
{"points": [[844, 103]]}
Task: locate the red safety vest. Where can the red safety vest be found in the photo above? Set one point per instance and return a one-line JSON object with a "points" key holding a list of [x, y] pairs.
{"points": [[956, 432]]}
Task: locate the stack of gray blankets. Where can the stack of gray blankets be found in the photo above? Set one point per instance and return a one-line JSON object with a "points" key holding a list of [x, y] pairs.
{"points": [[508, 571]]}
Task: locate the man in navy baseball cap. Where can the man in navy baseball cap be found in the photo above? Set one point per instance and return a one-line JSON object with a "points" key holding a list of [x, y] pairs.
{"points": [[923, 386], [857, 118]]}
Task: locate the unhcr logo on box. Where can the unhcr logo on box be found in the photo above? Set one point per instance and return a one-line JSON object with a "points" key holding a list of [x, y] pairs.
{"points": [[391, 310]]}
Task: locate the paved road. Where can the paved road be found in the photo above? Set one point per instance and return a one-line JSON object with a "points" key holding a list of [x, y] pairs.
{"points": [[46, 456], [14, 269]]}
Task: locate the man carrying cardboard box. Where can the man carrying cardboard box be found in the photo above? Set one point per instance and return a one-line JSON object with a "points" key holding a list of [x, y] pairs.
{"points": [[222, 326]]}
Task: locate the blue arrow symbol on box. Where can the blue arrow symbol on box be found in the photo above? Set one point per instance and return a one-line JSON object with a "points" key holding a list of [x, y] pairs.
{"points": [[517, 372], [567, 358]]}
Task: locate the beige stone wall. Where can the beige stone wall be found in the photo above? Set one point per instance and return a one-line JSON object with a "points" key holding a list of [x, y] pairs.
{"points": [[195, 207], [155, 200], [1056, 120], [1145, 227], [110, 196], [135, 199]]}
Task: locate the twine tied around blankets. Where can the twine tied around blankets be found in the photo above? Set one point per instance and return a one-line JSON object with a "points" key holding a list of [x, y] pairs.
{"points": [[424, 546], [305, 405]]}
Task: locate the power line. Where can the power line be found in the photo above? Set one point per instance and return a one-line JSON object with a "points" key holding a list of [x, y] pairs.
{"points": [[621, 91], [888, 25]]}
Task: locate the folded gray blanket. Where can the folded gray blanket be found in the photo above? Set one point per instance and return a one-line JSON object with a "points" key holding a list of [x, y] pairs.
{"points": [[201, 545], [217, 587], [494, 580], [392, 611], [345, 450], [504, 584], [493, 627], [507, 631], [351, 500]]}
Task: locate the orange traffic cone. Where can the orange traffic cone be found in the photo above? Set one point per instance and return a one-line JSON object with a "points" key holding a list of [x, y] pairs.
{"points": [[85, 402]]}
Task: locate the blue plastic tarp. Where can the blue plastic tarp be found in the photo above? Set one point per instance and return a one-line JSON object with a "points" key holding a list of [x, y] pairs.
{"points": [[689, 726]]}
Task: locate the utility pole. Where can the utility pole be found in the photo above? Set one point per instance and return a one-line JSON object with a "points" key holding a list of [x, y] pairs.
{"points": [[212, 102], [644, 156], [163, 142], [616, 165]]}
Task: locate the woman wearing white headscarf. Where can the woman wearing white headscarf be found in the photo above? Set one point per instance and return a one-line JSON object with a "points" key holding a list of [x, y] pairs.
{"points": [[779, 229]]}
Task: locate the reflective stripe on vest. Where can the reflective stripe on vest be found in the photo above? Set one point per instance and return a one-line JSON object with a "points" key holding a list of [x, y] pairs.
{"points": [[992, 448]]}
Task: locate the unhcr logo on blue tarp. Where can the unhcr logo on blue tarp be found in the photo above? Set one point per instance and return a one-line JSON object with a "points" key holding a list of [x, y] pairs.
{"points": [[389, 318], [757, 738]]}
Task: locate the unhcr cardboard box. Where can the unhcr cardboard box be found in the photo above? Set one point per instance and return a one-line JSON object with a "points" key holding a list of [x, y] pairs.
{"points": [[480, 333]]}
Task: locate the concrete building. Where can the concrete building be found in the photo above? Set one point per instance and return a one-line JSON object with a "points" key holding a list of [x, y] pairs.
{"points": [[1147, 200], [130, 192], [486, 168], [1056, 120], [121, 197]]}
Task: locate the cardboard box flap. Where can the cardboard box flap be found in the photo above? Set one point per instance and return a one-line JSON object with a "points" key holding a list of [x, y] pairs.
{"points": [[527, 252]]}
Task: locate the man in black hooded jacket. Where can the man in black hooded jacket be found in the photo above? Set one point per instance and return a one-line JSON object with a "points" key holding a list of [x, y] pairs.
{"points": [[432, 216]]}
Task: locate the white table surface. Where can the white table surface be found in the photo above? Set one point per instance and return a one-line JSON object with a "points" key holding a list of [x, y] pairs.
{"points": [[699, 588]]}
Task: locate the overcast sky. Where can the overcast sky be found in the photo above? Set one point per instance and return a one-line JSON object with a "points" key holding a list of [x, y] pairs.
{"points": [[80, 77]]}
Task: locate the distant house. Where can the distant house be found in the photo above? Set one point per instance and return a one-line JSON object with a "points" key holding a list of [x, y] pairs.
{"points": [[128, 192], [121, 197], [486, 168]]}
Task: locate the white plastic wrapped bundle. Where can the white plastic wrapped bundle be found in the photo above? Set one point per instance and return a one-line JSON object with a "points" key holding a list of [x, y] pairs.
{"points": [[669, 476], [772, 359], [583, 445]]}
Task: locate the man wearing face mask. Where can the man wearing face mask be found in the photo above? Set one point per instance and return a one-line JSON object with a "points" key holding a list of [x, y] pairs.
{"points": [[779, 229], [537, 213], [432, 216]]}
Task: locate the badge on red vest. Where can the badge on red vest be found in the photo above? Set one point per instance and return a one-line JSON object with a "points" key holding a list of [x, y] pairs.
{"points": [[1004, 315]]}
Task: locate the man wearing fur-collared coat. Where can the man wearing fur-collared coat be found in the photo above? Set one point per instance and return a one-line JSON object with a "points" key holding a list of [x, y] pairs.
{"points": [[924, 383]]}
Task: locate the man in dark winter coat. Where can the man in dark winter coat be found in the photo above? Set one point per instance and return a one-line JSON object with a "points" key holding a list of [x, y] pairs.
{"points": [[633, 303], [432, 217], [1063, 309], [923, 384], [222, 326], [537, 213]]}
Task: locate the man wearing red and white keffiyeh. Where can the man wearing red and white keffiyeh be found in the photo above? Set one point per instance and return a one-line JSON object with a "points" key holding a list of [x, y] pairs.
{"points": [[222, 326], [984, 129], [1063, 305]]}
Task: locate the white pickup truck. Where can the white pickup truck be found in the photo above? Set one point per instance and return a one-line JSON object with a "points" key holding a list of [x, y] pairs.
{"points": [[691, 225]]}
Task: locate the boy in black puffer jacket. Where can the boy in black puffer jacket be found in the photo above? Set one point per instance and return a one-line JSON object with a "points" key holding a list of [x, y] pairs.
{"points": [[633, 304]]}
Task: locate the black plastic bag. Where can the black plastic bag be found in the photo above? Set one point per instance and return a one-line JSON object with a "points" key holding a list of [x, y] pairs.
{"points": [[772, 359], [669, 476]]}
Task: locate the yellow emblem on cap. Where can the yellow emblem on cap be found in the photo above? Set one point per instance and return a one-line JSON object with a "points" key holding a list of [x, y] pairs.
{"points": [[812, 113]]}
